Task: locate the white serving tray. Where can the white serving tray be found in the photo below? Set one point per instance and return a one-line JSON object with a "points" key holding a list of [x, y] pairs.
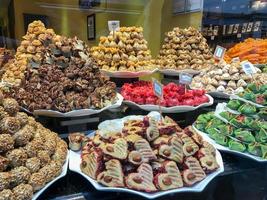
{"points": [[226, 149], [174, 109], [127, 74], [246, 101], [219, 95], [76, 113], [173, 72], [63, 173], [117, 124]]}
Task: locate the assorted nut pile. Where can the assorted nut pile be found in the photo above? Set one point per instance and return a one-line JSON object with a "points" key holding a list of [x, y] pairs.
{"points": [[68, 80], [123, 50], [30, 155], [228, 78], [148, 156], [185, 49], [62, 76], [31, 48]]}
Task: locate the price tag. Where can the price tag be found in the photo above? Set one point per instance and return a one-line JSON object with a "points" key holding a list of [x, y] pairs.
{"points": [[185, 78], [219, 52], [248, 67], [236, 60], [158, 88], [244, 27], [250, 26], [230, 29], [257, 26], [236, 27], [113, 25]]}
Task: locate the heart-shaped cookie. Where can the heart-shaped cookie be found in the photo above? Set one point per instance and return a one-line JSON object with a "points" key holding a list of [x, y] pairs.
{"points": [[117, 150], [152, 132], [143, 147], [113, 176], [128, 130], [189, 147], [92, 163], [209, 163], [194, 173], [142, 180], [164, 139], [173, 150], [194, 135], [135, 157], [170, 179]]}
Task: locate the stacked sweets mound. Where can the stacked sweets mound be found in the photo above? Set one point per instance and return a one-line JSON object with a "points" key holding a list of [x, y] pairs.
{"points": [[148, 155], [227, 78], [123, 50], [30, 155], [185, 49], [64, 79], [31, 49]]}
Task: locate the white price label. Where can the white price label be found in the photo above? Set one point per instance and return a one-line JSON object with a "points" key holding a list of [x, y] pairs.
{"points": [[113, 25], [158, 88], [244, 27], [185, 78], [257, 25], [248, 67], [230, 29], [219, 52], [250, 26]]}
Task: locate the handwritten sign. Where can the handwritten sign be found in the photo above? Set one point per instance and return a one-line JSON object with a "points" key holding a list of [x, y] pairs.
{"points": [[219, 52]]}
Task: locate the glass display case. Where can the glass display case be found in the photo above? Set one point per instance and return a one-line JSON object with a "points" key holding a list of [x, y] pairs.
{"points": [[133, 99]]}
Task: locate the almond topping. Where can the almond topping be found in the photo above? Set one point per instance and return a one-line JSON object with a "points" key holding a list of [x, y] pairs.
{"points": [[167, 152], [137, 158], [110, 148], [107, 179], [189, 149], [167, 181], [138, 179], [191, 176]]}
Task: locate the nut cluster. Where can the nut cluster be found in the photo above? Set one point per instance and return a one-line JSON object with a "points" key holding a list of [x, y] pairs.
{"points": [[123, 50], [185, 49], [30, 155]]}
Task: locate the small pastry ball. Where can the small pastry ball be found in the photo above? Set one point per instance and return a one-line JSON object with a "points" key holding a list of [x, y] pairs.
{"points": [[22, 117], [5, 178], [23, 192], [10, 125], [37, 181], [23, 136], [11, 106], [4, 162], [33, 147], [20, 175], [3, 113], [6, 195], [44, 157], [17, 157], [56, 166], [49, 172], [33, 164], [6, 142]]}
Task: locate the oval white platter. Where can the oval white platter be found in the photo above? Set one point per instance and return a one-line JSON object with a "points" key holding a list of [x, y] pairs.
{"points": [[219, 95], [226, 149], [76, 113], [127, 74], [63, 173], [75, 161], [174, 109], [173, 72], [246, 101]]}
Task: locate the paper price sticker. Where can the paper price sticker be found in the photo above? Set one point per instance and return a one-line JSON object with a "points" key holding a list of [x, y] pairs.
{"points": [[185, 79], [236, 60], [219, 52], [158, 88], [248, 67], [113, 25]]}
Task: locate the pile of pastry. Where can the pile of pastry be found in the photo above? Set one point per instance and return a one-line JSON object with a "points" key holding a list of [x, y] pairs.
{"points": [[65, 79], [30, 155], [227, 78], [31, 48], [185, 49], [148, 155], [123, 50]]}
